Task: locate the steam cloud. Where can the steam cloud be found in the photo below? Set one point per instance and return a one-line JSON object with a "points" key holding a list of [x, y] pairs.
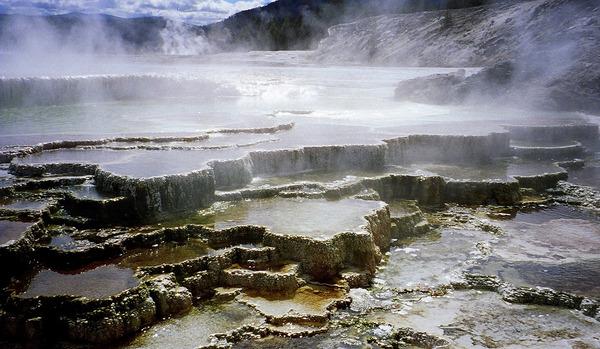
{"points": [[70, 44], [179, 39]]}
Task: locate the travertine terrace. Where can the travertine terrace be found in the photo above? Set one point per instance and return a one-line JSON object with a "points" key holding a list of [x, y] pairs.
{"points": [[291, 227]]}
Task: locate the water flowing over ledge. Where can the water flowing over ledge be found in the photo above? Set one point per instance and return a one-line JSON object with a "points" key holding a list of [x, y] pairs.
{"points": [[39, 91], [303, 226]]}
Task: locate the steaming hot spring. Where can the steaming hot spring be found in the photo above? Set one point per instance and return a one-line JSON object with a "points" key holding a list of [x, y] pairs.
{"points": [[389, 185]]}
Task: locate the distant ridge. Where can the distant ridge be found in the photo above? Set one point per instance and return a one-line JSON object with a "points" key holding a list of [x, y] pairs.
{"points": [[280, 25], [105, 32], [293, 24]]}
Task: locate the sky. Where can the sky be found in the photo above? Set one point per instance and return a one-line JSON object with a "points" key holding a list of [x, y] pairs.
{"points": [[191, 11]]}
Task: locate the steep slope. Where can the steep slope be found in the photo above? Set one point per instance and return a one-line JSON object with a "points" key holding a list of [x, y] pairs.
{"points": [[465, 37], [293, 24], [550, 46]]}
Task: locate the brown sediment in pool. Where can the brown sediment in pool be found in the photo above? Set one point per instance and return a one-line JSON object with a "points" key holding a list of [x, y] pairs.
{"points": [[167, 253], [311, 301], [294, 245], [100, 282]]}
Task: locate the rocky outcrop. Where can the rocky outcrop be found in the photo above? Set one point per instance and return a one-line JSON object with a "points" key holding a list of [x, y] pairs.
{"points": [[107, 212], [260, 279], [169, 298], [532, 295], [436, 190], [501, 84], [18, 253], [426, 190], [78, 319], [542, 182], [403, 336], [482, 192], [573, 194], [127, 314], [433, 89], [323, 259], [478, 36], [540, 53], [452, 88], [159, 294], [541, 296], [156, 196], [408, 223]]}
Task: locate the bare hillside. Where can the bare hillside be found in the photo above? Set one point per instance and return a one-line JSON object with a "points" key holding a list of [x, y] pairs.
{"points": [[544, 52]]}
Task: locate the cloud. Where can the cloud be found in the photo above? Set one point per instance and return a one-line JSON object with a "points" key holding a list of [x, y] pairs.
{"points": [[191, 11]]}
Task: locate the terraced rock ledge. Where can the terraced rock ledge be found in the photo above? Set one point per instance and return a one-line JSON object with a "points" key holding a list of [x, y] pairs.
{"points": [[106, 253]]}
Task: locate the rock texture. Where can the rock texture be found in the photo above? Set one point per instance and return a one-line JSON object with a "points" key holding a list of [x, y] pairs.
{"points": [[159, 195], [532, 295], [18, 253], [541, 52], [446, 148], [330, 158]]}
